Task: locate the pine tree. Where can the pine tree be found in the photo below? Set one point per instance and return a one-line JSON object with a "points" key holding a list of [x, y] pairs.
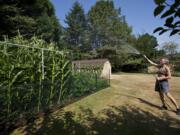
{"points": [[77, 26], [30, 17]]}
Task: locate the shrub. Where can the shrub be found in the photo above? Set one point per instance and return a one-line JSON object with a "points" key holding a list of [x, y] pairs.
{"points": [[86, 82]]}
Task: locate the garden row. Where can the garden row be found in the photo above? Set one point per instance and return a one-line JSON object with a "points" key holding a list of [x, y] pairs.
{"points": [[35, 77]]}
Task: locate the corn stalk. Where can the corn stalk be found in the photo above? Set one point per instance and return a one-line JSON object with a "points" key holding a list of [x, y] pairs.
{"points": [[64, 77], [52, 81], [23, 76]]}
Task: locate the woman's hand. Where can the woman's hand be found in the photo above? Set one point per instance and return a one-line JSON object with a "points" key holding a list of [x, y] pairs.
{"points": [[144, 56], [157, 78], [160, 78]]}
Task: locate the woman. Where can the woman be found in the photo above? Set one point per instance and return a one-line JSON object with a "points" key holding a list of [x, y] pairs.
{"points": [[162, 85]]}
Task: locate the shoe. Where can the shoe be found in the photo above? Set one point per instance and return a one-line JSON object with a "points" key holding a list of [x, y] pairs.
{"points": [[178, 112], [164, 107]]}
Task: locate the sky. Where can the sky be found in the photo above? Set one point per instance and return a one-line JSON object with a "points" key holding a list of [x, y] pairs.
{"points": [[138, 14]]}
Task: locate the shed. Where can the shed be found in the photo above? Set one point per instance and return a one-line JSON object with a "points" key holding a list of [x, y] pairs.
{"points": [[94, 63]]}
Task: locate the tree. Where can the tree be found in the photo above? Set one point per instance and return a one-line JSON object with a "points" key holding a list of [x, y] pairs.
{"points": [[12, 19], [30, 17], [170, 48], [107, 25], [147, 44], [171, 13], [77, 26]]}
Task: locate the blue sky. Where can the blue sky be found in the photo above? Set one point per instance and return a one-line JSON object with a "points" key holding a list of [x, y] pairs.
{"points": [[138, 13]]}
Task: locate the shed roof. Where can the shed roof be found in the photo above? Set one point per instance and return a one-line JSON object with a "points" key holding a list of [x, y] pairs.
{"points": [[90, 62]]}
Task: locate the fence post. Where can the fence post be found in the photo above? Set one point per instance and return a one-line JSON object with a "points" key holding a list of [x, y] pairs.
{"points": [[42, 62], [96, 79], [109, 77]]}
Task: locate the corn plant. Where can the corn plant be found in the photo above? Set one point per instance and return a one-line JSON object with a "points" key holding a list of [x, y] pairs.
{"points": [[64, 77], [34, 76], [52, 80], [28, 82]]}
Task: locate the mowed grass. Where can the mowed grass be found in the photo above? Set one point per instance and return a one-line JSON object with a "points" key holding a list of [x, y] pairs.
{"points": [[129, 107]]}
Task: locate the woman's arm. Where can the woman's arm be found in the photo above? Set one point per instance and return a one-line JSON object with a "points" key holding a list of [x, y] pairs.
{"points": [[151, 62]]}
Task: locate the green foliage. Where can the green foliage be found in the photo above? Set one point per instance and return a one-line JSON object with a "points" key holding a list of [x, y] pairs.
{"points": [[84, 55], [171, 13], [170, 48], [175, 61], [33, 77], [109, 32], [158, 10], [147, 44], [111, 54], [121, 61], [107, 26], [36, 17], [77, 27], [160, 53], [177, 74], [86, 82], [134, 64]]}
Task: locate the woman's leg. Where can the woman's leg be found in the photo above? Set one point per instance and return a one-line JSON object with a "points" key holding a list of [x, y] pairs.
{"points": [[161, 94], [172, 100]]}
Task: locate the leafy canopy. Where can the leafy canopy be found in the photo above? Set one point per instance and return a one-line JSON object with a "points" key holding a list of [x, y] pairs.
{"points": [[171, 13]]}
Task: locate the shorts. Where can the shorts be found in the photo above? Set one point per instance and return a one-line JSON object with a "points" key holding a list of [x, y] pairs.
{"points": [[162, 86]]}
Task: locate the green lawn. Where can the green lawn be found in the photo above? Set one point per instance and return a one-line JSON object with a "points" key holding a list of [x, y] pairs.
{"points": [[129, 107]]}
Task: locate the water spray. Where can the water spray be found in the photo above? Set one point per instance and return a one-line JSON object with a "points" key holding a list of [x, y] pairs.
{"points": [[131, 50]]}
